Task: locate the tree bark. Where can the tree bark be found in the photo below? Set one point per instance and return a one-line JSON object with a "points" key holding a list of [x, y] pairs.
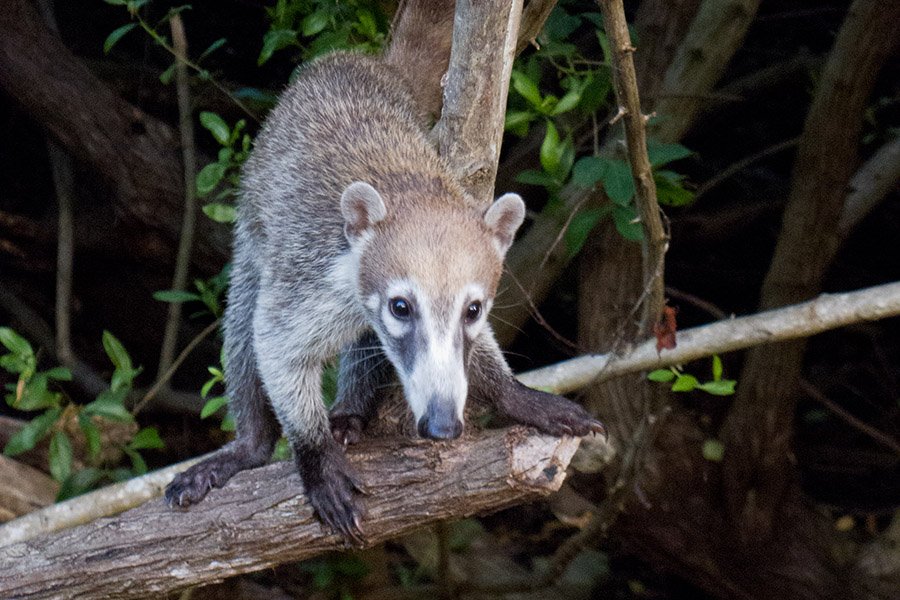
{"points": [[137, 153], [758, 466], [253, 524]]}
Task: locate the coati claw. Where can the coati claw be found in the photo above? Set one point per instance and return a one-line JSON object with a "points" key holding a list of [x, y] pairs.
{"points": [[346, 429], [549, 413]]}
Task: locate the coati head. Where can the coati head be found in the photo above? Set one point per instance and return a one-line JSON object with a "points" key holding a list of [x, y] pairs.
{"points": [[427, 279]]}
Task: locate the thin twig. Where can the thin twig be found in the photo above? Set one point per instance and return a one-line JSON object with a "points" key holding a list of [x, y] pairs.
{"points": [[654, 241], [740, 165], [163, 380], [879, 436], [189, 158]]}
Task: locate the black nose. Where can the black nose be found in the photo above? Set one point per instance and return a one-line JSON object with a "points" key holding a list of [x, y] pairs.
{"points": [[440, 423]]}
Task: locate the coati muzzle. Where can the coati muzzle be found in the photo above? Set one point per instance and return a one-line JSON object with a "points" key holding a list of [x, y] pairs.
{"points": [[440, 421]]}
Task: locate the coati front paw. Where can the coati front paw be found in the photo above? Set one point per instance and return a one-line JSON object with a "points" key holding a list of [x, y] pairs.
{"points": [[346, 429], [190, 486], [331, 487], [549, 413]]}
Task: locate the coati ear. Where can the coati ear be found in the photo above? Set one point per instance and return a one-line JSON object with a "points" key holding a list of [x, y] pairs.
{"points": [[503, 219], [362, 207]]}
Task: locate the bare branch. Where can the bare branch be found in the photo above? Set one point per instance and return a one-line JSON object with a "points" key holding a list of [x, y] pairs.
{"points": [[828, 311], [534, 15], [253, 524], [189, 217], [869, 186], [654, 241], [470, 131]]}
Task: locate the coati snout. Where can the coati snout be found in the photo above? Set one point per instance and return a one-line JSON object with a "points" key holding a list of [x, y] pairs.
{"points": [[428, 279]]}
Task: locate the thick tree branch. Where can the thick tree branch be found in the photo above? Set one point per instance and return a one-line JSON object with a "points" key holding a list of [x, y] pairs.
{"points": [[253, 524], [135, 152], [758, 429], [470, 131]]}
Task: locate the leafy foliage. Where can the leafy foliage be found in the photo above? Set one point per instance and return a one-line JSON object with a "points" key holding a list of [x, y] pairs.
{"points": [[685, 382], [70, 426]]}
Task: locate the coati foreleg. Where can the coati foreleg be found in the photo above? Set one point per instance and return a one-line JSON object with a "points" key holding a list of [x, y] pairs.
{"points": [[491, 379], [363, 375], [257, 429]]}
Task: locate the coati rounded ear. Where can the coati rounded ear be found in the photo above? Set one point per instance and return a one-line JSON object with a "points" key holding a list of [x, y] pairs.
{"points": [[503, 219], [362, 207]]}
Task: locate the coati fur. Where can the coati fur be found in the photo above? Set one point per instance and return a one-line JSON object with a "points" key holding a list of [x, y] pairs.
{"points": [[353, 237]]}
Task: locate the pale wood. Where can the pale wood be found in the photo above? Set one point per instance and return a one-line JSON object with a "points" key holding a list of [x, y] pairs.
{"points": [[470, 130], [261, 519], [23, 489]]}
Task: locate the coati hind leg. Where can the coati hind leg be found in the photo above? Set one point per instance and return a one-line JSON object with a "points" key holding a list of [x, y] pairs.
{"points": [[363, 375], [257, 429], [490, 378]]}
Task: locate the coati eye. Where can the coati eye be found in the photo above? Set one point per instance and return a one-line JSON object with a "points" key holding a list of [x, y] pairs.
{"points": [[473, 311], [400, 308]]}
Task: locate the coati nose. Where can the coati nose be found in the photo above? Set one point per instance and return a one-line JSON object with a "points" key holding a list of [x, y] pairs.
{"points": [[440, 423]]}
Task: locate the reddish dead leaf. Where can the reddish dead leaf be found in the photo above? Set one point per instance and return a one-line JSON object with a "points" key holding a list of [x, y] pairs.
{"points": [[665, 329]]}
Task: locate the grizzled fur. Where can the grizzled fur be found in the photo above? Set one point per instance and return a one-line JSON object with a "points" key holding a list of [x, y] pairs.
{"points": [[319, 255]]}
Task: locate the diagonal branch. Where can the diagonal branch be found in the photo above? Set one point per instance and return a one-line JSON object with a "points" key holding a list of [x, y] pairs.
{"points": [[253, 524]]}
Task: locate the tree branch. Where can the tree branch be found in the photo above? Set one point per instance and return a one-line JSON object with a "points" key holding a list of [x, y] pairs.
{"points": [[470, 131], [870, 185], [654, 241], [253, 524], [826, 312]]}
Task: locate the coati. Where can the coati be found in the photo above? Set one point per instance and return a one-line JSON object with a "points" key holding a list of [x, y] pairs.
{"points": [[353, 236]]}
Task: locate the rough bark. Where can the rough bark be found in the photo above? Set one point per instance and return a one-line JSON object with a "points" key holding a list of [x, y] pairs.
{"points": [[758, 465], [137, 153], [470, 131], [252, 524]]}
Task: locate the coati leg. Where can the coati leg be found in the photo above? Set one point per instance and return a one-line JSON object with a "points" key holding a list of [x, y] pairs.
{"points": [[363, 374], [491, 379], [257, 430]]}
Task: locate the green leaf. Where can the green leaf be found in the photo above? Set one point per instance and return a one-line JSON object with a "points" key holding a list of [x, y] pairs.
{"points": [[567, 102], [685, 383], [139, 467], [79, 483], [110, 404], [618, 182], [580, 228], [534, 177], [211, 48], [661, 375], [588, 171], [166, 76], [216, 126], [36, 396], [116, 352], [517, 121], [551, 151], [670, 191], [627, 224], [148, 437], [595, 93], [274, 40], [91, 434], [228, 423], [660, 154], [58, 374], [220, 213], [526, 88], [713, 450], [723, 387], [116, 35], [314, 23], [175, 296], [60, 456], [27, 438], [560, 24], [716, 367], [213, 405], [209, 177], [14, 342]]}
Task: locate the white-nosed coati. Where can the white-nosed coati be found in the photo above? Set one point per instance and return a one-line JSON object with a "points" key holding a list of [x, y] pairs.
{"points": [[354, 237]]}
